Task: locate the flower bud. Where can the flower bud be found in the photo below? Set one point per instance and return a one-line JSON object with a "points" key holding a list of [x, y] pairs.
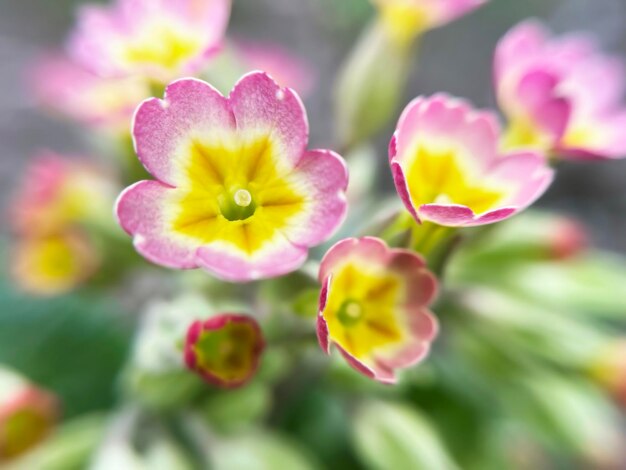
{"points": [[225, 349], [27, 414]]}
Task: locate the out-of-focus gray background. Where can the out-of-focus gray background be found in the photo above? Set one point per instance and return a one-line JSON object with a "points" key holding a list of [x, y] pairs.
{"points": [[456, 59]]}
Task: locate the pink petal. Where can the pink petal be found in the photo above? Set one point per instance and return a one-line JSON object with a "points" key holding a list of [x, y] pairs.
{"points": [[274, 259], [261, 106], [141, 210], [190, 106], [322, 176]]}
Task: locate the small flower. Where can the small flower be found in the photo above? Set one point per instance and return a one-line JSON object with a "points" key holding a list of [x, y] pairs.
{"points": [[53, 264], [287, 69], [57, 192], [374, 306], [561, 95], [447, 169], [609, 369], [64, 87], [154, 39], [237, 193], [409, 18], [27, 414], [225, 349]]}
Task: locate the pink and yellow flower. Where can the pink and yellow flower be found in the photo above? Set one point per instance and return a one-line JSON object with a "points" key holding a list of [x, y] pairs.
{"points": [[27, 415], [287, 69], [447, 169], [225, 349], [408, 18], [561, 95], [64, 87], [57, 192], [155, 39], [53, 264], [237, 193], [374, 306]]}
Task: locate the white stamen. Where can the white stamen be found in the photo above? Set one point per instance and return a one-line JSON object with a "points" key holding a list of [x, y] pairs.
{"points": [[280, 95], [242, 198], [353, 310]]}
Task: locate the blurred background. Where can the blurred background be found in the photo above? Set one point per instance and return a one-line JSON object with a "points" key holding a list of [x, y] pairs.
{"points": [[456, 59], [528, 340]]}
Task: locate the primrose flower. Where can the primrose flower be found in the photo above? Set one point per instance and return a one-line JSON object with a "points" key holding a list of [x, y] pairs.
{"points": [[57, 191], [154, 39], [447, 169], [53, 264], [64, 87], [225, 349], [561, 95], [374, 306], [287, 69], [27, 414], [237, 193], [409, 18]]}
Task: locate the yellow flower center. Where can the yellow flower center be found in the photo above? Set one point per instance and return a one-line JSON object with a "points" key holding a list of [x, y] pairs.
{"points": [[439, 175], [162, 43], [350, 312], [235, 192], [236, 205], [23, 429], [362, 309]]}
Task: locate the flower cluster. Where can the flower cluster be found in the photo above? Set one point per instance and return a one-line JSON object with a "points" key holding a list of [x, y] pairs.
{"points": [[58, 198], [225, 184], [561, 95]]}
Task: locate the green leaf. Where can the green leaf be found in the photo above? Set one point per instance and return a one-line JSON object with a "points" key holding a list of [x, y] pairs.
{"points": [[391, 436], [72, 345], [258, 451]]}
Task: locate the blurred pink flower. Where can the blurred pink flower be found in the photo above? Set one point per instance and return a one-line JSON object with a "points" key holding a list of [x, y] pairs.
{"points": [[27, 415], [237, 193], [225, 349], [408, 18], [286, 68], [53, 264], [447, 169], [155, 39], [561, 95], [374, 306], [567, 237], [57, 191], [65, 87]]}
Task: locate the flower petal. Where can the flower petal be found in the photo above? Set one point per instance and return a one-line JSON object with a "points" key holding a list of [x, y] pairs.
{"points": [[261, 106], [142, 212], [190, 107]]}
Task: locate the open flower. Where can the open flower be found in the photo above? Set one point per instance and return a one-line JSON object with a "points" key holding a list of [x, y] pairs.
{"points": [[225, 349], [53, 264], [408, 18], [65, 87], [155, 39], [237, 193], [374, 306], [27, 414], [560, 94], [57, 191], [447, 169]]}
